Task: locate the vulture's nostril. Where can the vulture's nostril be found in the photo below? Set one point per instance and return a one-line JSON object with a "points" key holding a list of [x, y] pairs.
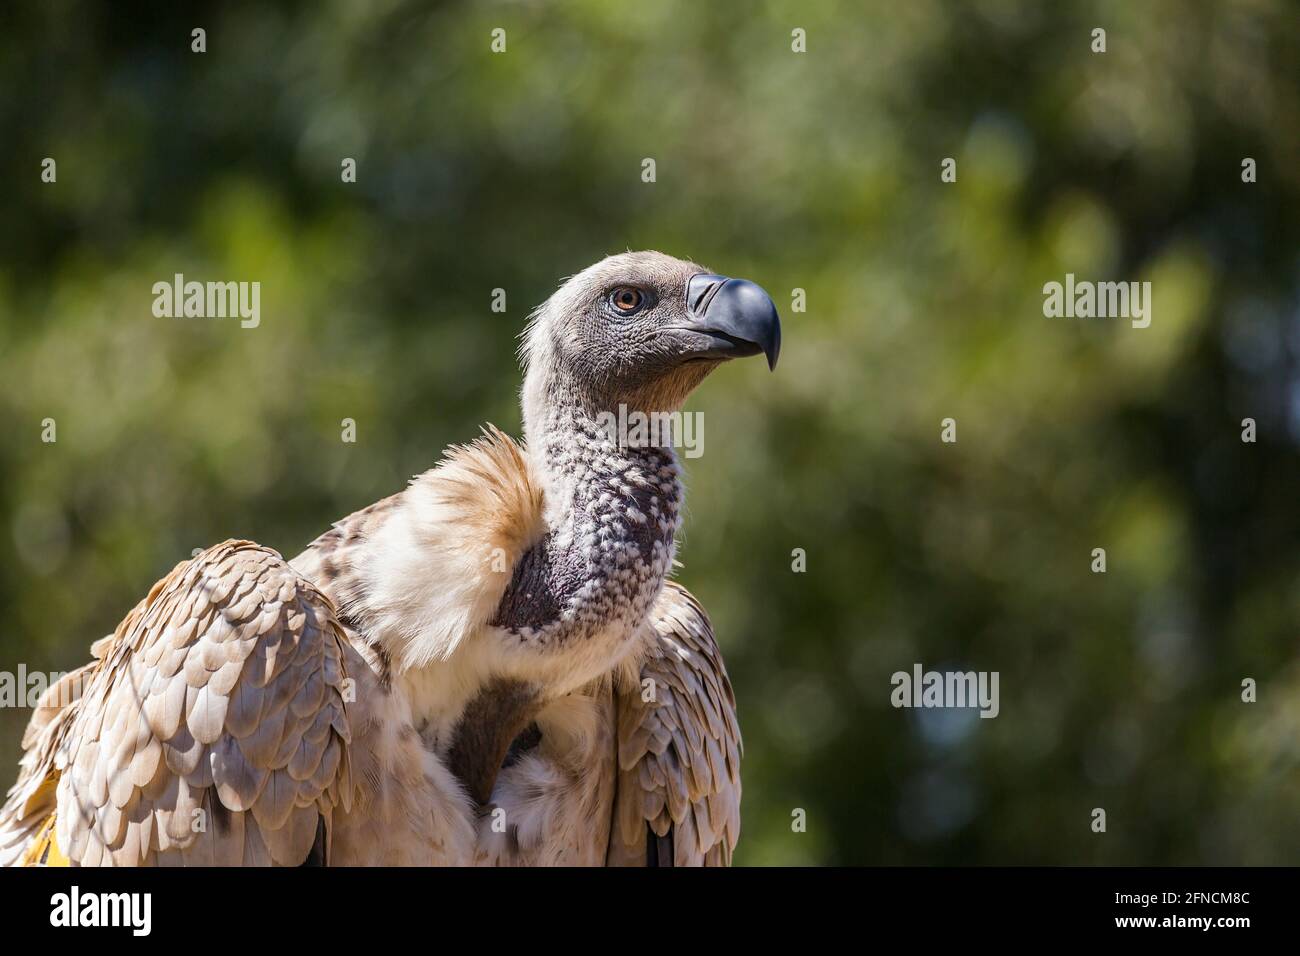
{"points": [[700, 290]]}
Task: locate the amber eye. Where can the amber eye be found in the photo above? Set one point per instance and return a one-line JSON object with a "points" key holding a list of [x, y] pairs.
{"points": [[626, 299]]}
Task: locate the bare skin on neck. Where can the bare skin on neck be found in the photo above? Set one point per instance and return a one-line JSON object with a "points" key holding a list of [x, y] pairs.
{"points": [[493, 719]]}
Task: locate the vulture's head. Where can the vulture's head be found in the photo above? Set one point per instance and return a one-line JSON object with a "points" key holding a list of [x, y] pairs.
{"points": [[642, 330]]}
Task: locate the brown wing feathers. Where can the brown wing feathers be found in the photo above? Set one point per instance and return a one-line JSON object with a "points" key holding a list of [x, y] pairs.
{"points": [[214, 728], [679, 753]]}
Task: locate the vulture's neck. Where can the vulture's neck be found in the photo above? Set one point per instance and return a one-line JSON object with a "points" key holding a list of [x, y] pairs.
{"points": [[580, 594], [573, 605], [612, 513]]}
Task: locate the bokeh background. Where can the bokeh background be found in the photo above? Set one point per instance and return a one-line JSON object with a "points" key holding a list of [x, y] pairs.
{"points": [[818, 171]]}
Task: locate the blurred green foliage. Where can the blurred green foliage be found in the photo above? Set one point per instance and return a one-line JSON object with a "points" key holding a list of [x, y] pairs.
{"points": [[818, 171]]}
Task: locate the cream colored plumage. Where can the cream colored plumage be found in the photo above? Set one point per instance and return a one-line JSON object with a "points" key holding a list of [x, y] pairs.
{"points": [[487, 668]]}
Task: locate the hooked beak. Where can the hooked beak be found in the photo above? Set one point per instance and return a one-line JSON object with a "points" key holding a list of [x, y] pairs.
{"points": [[730, 318]]}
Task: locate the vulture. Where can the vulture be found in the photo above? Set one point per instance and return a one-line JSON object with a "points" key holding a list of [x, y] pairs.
{"points": [[490, 667]]}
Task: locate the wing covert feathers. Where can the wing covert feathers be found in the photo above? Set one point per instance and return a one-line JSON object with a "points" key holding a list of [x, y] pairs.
{"points": [[678, 754], [211, 730]]}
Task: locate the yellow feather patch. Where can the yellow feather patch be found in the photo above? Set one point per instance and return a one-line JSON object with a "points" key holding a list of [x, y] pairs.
{"points": [[44, 850]]}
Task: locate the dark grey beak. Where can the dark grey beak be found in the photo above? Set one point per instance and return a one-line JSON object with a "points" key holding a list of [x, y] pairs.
{"points": [[734, 317]]}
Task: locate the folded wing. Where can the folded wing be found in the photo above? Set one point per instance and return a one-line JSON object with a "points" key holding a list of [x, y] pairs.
{"points": [[679, 748], [213, 728]]}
